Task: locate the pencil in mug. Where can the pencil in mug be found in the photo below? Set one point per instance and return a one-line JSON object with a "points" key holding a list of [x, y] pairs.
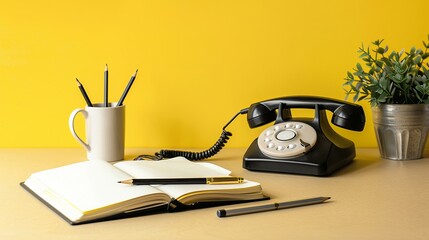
{"points": [[85, 96], [124, 94], [106, 87]]}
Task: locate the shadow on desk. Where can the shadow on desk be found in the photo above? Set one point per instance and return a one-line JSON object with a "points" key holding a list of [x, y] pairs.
{"points": [[362, 161], [365, 158]]}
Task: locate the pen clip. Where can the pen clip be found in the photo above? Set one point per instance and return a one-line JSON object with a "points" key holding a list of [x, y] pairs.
{"points": [[224, 180]]}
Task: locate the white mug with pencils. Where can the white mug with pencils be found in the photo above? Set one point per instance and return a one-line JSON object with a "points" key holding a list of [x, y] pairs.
{"points": [[104, 125]]}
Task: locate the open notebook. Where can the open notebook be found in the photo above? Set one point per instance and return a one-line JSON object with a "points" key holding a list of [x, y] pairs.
{"points": [[89, 191]]}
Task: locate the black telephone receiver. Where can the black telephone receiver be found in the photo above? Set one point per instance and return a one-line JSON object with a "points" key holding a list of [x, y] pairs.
{"points": [[302, 145], [293, 145]]}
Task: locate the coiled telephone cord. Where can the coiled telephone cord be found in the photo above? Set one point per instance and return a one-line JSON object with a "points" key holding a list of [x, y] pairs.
{"points": [[196, 156]]}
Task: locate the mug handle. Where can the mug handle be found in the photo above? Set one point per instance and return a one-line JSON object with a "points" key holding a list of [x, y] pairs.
{"points": [[71, 126]]}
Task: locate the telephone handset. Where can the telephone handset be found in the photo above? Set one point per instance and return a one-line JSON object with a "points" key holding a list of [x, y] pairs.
{"points": [[293, 145], [302, 145]]}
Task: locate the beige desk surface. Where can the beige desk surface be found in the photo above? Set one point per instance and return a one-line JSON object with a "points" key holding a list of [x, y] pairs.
{"points": [[371, 199]]}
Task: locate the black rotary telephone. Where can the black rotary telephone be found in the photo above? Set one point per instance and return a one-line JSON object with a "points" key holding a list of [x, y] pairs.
{"points": [[306, 146], [302, 145]]}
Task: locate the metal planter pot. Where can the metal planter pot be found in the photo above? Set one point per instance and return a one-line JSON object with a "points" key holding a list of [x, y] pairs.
{"points": [[401, 130]]}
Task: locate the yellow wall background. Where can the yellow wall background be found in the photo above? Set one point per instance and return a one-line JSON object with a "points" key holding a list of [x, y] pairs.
{"points": [[199, 62]]}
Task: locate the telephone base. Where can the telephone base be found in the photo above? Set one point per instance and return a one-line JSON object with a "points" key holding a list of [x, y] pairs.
{"points": [[315, 163]]}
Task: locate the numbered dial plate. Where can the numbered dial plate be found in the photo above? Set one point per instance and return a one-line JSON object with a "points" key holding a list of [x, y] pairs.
{"points": [[288, 139]]}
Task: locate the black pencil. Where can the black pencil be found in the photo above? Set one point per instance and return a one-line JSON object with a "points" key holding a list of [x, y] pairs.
{"points": [[106, 87], [270, 207], [124, 94], [82, 90]]}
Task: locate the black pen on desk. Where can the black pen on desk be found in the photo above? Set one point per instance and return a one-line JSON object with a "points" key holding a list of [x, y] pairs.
{"points": [[82, 90], [209, 180], [124, 94], [270, 207], [106, 87]]}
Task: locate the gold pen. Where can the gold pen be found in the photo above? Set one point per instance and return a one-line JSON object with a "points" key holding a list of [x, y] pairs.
{"points": [[209, 180]]}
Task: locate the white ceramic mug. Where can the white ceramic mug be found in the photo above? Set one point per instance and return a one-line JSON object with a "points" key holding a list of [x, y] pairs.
{"points": [[105, 131]]}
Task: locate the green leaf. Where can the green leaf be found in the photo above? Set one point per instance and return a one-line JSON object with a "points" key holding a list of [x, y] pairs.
{"points": [[382, 98], [379, 63], [348, 83], [420, 88], [362, 97], [397, 78], [380, 50], [372, 79], [356, 97], [419, 51], [399, 55], [417, 59], [426, 71], [377, 42], [359, 85], [359, 67], [383, 83], [364, 54]]}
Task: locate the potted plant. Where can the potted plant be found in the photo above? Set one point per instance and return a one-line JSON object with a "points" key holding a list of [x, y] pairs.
{"points": [[397, 86]]}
